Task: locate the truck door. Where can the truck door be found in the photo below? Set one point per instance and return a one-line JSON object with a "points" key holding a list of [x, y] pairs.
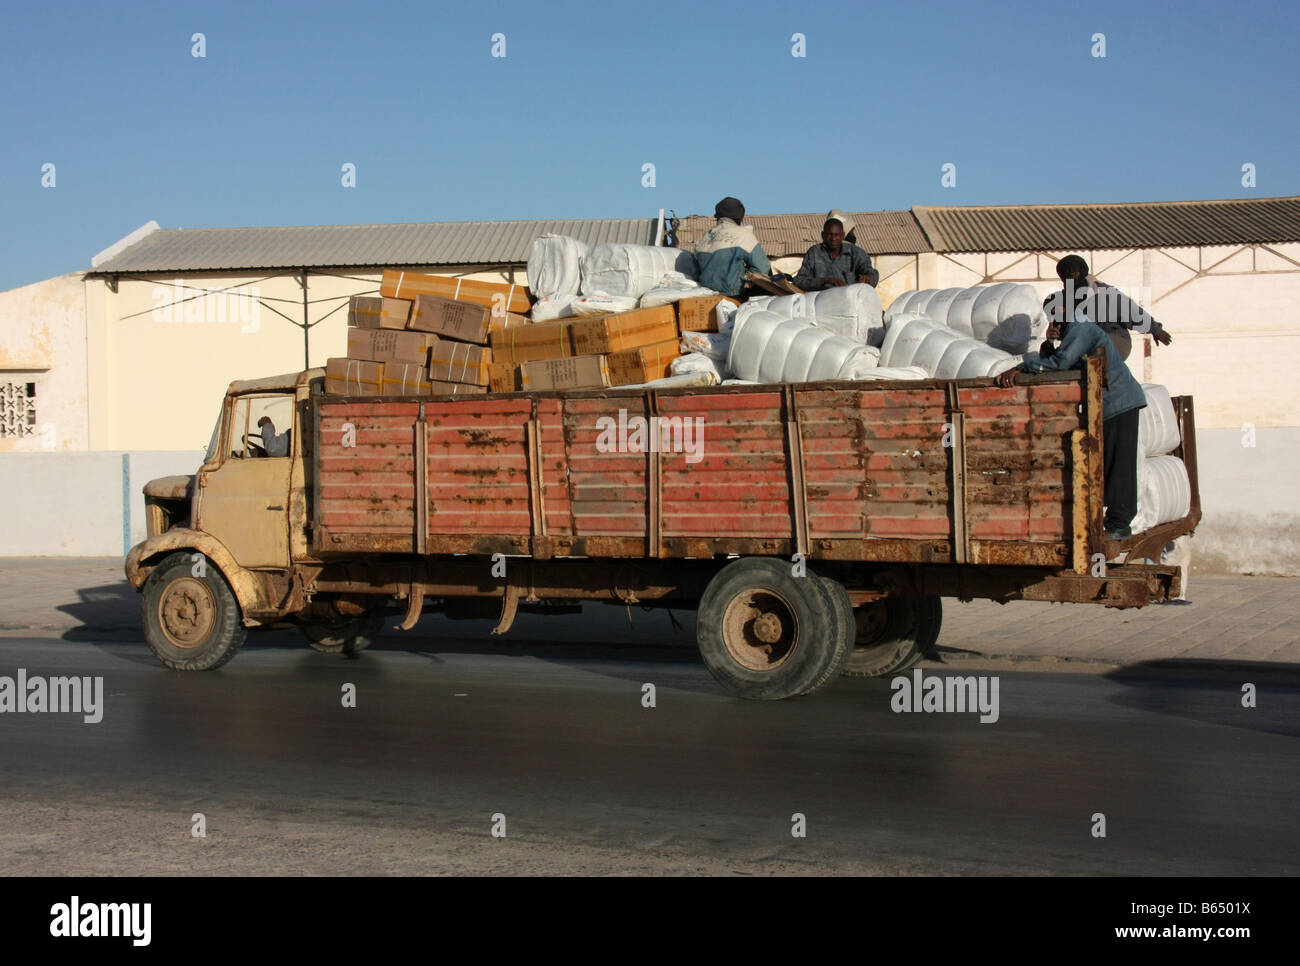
{"points": [[244, 501]]}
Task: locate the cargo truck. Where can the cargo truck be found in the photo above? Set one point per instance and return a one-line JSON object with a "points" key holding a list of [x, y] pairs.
{"points": [[813, 527]]}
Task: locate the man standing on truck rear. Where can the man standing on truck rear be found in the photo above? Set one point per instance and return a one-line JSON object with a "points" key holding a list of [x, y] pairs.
{"points": [[1113, 311], [1122, 398], [727, 250]]}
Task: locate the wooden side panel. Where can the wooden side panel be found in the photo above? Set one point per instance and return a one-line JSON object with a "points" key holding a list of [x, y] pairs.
{"points": [[367, 478], [478, 466]]}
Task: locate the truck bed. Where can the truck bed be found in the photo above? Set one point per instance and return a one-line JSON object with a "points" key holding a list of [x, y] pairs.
{"points": [[921, 472]]}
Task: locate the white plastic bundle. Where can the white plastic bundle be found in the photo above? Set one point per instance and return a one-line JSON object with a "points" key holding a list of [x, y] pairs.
{"points": [[1006, 315], [617, 268], [1157, 425], [673, 287], [913, 340], [555, 265], [767, 348], [852, 311], [570, 306], [715, 345], [697, 363], [1164, 492], [894, 373], [684, 381]]}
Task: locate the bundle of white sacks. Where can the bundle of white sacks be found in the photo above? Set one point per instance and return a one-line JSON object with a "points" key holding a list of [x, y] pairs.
{"points": [[1005, 315], [1164, 490]]}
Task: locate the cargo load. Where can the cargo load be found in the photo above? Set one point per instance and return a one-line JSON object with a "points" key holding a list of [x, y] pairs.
{"points": [[765, 347], [1005, 315], [643, 364], [388, 345], [699, 313], [575, 372], [913, 340], [618, 268], [528, 343], [852, 311], [447, 318], [459, 362], [555, 265], [353, 377], [498, 296], [364, 311], [627, 330], [573, 306]]}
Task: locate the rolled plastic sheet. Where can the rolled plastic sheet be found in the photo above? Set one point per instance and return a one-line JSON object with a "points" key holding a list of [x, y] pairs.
{"points": [[1158, 431]]}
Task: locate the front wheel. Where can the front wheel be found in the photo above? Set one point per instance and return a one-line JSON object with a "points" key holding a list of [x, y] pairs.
{"points": [[190, 615]]}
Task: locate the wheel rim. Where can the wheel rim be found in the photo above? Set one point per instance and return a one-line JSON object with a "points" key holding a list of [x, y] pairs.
{"points": [[187, 612], [760, 630], [871, 620]]}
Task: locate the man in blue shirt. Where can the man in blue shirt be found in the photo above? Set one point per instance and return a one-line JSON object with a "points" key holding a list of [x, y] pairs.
{"points": [[1121, 399], [834, 262]]}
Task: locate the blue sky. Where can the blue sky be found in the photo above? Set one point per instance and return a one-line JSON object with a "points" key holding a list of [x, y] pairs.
{"points": [[256, 132]]}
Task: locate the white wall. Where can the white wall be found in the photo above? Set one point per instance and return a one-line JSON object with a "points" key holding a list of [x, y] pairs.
{"points": [[43, 340], [80, 504]]}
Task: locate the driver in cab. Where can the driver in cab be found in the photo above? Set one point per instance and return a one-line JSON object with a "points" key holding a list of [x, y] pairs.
{"points": [[274, 444]]}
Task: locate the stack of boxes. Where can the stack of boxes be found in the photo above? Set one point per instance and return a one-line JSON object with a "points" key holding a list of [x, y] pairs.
{"points": [[430, 335]]}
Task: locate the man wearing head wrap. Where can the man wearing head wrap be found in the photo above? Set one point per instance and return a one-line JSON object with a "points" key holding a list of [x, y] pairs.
{"points": [[1111, 309], [1121, 399], [727, 251], [836, 261]]}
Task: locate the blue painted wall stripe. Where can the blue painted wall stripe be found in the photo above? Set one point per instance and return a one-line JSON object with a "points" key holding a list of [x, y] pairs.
{"points": [[126, 504]]}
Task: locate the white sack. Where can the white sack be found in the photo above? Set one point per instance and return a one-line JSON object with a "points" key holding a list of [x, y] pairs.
{"points": [[739, 382], [894, 373], [1157, 425], [1164, 492], [571, 306], [749, 339], [673, 288], [861, 364], [555, 265], [1021, 321], [617, 268], [715, 345], [696, 363], [776, 352], [724, 315]]}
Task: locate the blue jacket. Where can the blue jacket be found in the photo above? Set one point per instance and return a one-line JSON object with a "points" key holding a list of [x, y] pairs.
{"points": [[1083, 338], [724, 254]]}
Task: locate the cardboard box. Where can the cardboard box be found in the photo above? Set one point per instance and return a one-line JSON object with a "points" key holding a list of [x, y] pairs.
{"points": [[696, 315], [626, 330], [353, 377], [463, 321], [407, 285], [364, 311], [508, 321], [459, 362], [455, 389], [388, 345], [393, 313], [641, 365], [407, 379], [529, 343], [503, 377], [575, 372]]}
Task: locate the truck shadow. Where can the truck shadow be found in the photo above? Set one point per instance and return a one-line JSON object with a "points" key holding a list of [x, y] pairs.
{"points": [[1255, 695]]}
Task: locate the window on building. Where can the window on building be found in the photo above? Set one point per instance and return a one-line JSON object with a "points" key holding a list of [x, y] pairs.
{"points": [[17, 408]]}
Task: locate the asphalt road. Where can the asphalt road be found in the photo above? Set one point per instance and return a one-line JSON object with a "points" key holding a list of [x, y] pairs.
{"points": [[449, 731]]}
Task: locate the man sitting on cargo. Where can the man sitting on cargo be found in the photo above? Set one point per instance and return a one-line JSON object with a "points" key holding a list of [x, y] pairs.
{"points": [[1121, 399], [727, 251], [1112, 310], [834, 262]]}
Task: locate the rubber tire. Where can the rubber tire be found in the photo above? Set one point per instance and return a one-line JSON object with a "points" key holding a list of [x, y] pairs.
{"points": [[348, 637], [929, 623], [816, 624], [844, 633], [228, 631], [897, 647]]}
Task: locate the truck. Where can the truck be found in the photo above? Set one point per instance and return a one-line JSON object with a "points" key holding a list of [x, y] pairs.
{"points": [[814, 527]]}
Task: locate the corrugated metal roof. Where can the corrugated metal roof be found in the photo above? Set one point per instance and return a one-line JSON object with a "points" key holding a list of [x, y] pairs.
{"points": [[1002, 228], [879, 232], [337, 246]]}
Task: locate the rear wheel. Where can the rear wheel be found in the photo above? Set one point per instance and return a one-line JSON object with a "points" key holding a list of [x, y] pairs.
{"points": [[893, 634], [765, 634], [191, 617], [348, 636]]}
